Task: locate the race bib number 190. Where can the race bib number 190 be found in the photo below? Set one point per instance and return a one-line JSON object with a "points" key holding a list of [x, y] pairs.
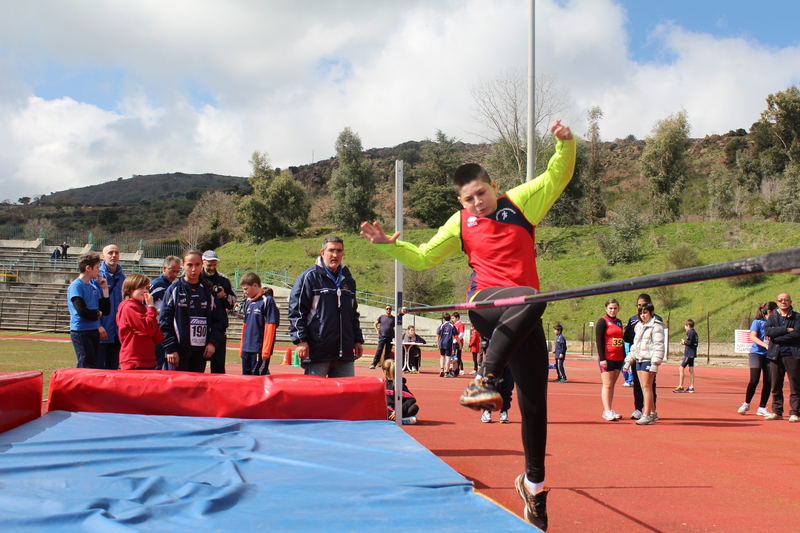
{"points": [[198, 330]]}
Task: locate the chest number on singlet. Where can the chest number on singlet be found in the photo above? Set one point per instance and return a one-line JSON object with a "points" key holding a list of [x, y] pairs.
{"points": [[198, 331], [616, 341]]}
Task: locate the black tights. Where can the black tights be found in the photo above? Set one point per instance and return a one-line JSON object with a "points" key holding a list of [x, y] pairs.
{"points": [[517, 340], [755, 373]]}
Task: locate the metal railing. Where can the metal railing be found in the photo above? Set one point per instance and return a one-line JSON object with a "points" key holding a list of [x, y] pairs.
{"points": [[362, 297]]}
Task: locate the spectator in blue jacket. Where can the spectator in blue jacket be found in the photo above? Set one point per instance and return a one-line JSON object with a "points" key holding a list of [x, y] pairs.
{"points": [[111, 270], [323, 315]]}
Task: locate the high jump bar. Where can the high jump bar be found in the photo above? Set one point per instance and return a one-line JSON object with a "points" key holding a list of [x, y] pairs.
{"points": [[770, 263]]}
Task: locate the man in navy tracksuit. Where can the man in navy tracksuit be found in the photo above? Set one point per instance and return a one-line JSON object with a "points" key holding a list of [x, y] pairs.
{"points": [[323, 315]]}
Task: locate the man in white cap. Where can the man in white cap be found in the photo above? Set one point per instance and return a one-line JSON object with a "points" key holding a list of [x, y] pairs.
{"points": [[226, 299]]}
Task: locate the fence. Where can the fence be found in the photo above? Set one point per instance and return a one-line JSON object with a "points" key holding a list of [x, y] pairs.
{"points": [[365, 298], [53, 239]]}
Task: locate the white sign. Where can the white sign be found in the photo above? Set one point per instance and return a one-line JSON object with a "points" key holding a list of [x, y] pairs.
{"points": [[741, 341]]}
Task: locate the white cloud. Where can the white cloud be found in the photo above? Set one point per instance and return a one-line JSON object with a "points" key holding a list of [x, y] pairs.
{"points": [[200, 84]]}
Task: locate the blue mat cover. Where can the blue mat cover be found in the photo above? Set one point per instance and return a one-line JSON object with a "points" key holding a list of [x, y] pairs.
{"points": [[101, 472]]}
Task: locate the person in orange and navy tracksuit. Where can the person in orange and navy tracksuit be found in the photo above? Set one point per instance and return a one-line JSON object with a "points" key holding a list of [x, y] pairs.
{"points": [[261, 320]]}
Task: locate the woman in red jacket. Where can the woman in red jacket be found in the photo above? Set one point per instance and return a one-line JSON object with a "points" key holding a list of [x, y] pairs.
{"points": [[137, 323], [611, 355]]}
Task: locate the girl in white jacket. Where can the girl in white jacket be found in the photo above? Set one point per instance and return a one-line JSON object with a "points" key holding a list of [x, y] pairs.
{"points": [[646, 353]]}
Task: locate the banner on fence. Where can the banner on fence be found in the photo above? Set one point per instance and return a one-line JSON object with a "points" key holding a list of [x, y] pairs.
{"points": [[741, 341]]}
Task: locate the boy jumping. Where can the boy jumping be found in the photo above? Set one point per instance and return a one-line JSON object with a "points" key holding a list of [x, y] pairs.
{"points": [[498, 235]]}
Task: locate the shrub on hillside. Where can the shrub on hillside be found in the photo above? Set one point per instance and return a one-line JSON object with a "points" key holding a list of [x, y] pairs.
{"points": [[683, 256], [622, 243]]}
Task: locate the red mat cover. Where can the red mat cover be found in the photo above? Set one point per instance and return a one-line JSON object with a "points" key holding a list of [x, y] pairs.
{"points": [[20, 398], [152, 392]]}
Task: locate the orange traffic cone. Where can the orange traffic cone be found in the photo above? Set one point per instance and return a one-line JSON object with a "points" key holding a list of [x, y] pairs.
{"points": [[287, 359]]}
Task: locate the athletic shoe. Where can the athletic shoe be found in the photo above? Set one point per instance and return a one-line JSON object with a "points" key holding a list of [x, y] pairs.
{"points": [[372, 367], [473, 372], [563, 380], [654, 416], [794, 418], [773, 416], [762, 411], [535, 506], [636, 415], [482, 394], [690, 390], [678, 389], [608, 415], [461, 373], [744, 408], [486, 417], [441, 373], [617, 416], [626, 384], [409, 420], [504, 417], [646, 420]]}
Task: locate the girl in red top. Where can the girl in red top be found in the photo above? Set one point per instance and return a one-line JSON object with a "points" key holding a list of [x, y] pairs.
{"points": [[475, 348], [611, 355], [137, 322]]}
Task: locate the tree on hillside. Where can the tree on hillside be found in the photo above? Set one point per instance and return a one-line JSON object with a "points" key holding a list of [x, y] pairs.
{"points": [[501, 108], [212, 222], [352, 185], [782, 121], [594, 208], [432, 197], [664, 165], [568, 210], [278, 207]]}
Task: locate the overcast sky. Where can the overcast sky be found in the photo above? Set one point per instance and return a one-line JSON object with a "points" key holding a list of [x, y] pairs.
{"points": [[91, 90]]}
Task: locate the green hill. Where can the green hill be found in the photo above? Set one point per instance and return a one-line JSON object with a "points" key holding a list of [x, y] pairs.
{"points": [[570, 258], [152, 188]]}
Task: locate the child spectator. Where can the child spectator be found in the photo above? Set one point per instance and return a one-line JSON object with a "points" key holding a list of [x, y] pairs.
{"points": [[413, 352], [261, 320], [190, 319], [445, 334], [475, 348], [87, 298], [505, 387], [560, 353], [409, 405], [647, 352], [458, 342], [689, 355], [137, 324]]}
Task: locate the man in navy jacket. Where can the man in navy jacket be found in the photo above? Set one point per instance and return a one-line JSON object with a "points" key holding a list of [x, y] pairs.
{"points": [[323, 315], [783, 329]]}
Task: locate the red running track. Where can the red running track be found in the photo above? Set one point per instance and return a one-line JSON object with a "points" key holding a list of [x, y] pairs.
{"points": [[701, 467]]}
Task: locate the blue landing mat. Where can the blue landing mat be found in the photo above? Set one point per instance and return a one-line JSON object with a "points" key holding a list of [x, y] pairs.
{"points": [[102, 472]]}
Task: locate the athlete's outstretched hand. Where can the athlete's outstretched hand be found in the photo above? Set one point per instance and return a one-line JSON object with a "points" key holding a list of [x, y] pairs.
{"points": [[561, 132], [374, 233]]}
